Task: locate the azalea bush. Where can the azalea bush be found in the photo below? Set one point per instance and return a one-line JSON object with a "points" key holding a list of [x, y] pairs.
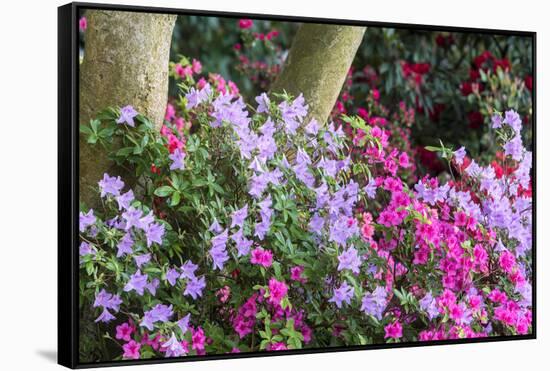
{"points": [[256, 228]]}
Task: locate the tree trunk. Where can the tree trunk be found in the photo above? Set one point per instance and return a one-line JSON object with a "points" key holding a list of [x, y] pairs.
{"points": [[317, 65], [126, 58]]}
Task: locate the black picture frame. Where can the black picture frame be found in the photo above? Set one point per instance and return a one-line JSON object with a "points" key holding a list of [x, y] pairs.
{"points": [[68, 180]]}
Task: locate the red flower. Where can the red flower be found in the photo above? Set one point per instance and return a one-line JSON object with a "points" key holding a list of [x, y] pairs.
{"points": [[475, 119], [529, 82], [466, 88], [503, 63], [474, 74], [154, 169], [482, 58]]}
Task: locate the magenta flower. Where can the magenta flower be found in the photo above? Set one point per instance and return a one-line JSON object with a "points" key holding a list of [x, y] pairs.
{"points": [[245, 24], [127, 115], [261, 257], [393, 330], [198, 339], [277, 291], [124, 331], [131, 350], [82, 24]]}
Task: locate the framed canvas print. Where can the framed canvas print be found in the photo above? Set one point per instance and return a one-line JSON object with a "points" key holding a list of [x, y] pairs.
{"points": [[242, 185]]}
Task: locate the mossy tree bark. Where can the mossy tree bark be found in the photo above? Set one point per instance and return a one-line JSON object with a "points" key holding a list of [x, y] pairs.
{"points": [[125, 62], [317, 65]]}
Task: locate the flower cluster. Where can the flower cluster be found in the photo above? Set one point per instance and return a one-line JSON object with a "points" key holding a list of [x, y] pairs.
{"points": [[268, 230]]}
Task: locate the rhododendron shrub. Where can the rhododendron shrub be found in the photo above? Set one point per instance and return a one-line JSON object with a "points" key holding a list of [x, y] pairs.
{"points": [[249, 228]]}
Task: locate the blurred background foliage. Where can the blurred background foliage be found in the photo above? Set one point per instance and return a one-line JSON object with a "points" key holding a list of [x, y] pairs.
{"points": [[453, 81]]}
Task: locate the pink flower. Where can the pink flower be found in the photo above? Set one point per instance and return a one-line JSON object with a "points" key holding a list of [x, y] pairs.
{"points": [[196, 66], [404, 160], [245, 24], [277, 291], [261, 257], [131, 350], [393, 330], [170, 113], [198, 339], [277, 346], [296, 273], [83, 24], [124, 332], [183, 72], [507, 261]]}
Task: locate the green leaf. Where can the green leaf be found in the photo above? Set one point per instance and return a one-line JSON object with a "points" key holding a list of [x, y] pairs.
{"points": [[164, 191]]}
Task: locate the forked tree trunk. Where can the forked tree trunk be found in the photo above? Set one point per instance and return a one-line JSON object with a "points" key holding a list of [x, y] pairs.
{"points": [[317, 64], [125, 62]]}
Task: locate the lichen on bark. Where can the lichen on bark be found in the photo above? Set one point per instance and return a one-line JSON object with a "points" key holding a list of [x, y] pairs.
{"points": [[317, 64], [125, 62]]}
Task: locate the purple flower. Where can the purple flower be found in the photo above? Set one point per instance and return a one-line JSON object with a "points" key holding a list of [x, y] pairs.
{"points": [[349, 260], [124, 246], [459, 155], [512, 118], [429, 305], [215, 227], [137, 282], [266, 147], [125, 199], [268, 128], [183, 323], [153, 286], [342, 229], [85, 220], [132, 217], [293, 114], [342, 294], [172, 347], [514, 148], [194, 287], [370, 189], [172, 275], [142, 259], [243, 244], [312, 128], [374, 303], [188, 270], [177, 160], [159, 313], [127, 115], [145, 221], [263, 103], [107, 300], [238, 216], [105, 316], [258, 184], [196, 97], [496, 119], [218, 252], [85, 249], [154, 233], [316, 223]]}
